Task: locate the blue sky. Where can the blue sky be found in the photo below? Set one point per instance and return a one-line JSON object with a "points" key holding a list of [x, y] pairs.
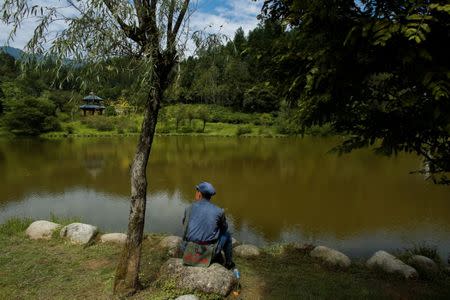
{"points": [[213, 16]]}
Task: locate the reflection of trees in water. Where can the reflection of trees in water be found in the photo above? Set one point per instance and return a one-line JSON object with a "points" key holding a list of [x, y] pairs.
{"points": [[94, 162], [268, 184]]}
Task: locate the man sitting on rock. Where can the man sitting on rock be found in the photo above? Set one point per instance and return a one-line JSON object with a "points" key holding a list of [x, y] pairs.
{"points": [[205, 224]]}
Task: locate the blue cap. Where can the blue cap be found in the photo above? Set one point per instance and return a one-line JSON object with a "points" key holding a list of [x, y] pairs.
{"points": [[206, 189]]}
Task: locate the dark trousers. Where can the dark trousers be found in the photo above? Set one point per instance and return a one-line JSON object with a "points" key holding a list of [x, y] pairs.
{"points": [[225, 244]]}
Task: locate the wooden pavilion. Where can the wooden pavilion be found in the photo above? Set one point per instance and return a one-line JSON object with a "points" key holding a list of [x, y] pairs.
{"points": [[92, 104]]}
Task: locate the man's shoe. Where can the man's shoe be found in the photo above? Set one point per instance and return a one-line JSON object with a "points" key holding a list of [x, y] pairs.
{"points": [[230, 265]]}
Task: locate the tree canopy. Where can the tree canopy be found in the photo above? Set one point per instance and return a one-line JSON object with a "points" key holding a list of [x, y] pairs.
{"points": [[375, 70]]}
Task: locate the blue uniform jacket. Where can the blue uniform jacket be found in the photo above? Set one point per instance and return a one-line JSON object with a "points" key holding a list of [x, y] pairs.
{"points": [[207, 222]]}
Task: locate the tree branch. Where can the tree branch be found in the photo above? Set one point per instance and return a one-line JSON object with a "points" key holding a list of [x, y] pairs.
{"points": [[170, 21], [176, 28], [131, 32]]}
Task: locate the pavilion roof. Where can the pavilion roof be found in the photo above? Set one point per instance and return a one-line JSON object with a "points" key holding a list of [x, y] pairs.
{"points": [[92, 97]]}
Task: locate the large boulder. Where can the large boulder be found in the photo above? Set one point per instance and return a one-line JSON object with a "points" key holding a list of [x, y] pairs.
{"points": [[214, 279], [391, 264], [246, 251], [187, 297], [79, 233], [331, 256], [41, 230], [117, 238], [172, 243], [423, 264], [234, 242]]}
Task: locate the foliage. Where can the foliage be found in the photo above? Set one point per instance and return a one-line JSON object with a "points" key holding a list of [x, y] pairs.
{"points": [[110, 111], [30, 116], [241, 130], [104, 123], [376, 71], [260, 98]]}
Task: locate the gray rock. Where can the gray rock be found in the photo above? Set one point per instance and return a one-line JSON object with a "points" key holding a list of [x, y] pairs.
{"points": [[391, 264], [214, 279], [41, 230], [172, 243], [188, 297], [246, 251], [423, 264], [331, 256], [118, 238], [79, 233]]}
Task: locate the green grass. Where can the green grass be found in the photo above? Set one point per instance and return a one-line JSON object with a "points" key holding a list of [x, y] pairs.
{"points": [[55, 269]]}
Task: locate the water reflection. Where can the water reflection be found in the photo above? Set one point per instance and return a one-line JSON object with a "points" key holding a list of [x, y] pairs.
{"points": [[272, 189]]}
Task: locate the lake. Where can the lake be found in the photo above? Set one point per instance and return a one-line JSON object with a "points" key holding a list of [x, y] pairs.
{"points": [[273, 190]]}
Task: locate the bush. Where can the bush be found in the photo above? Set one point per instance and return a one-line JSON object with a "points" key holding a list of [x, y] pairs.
{"points": [[51, 123], [30, 116], [101, 123], [133, 128], [241, 130], [163, 130], [70, 129], [260, 98], [110, 111], [63, 117], [186, 129], [287, 122]]}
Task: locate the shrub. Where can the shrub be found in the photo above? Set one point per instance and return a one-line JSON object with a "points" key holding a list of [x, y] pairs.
{"points": [[243, 130], [260, 98], [70, 129], [163, 129], [110, 111], [133, 128], [186, 129], [63, 117], [101, 123], [51, 123], [30, 116]]}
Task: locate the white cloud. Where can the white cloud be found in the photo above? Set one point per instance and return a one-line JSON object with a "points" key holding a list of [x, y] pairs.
{"points": [[224, 19], [211, 16], [227, 18], [25, 32]]}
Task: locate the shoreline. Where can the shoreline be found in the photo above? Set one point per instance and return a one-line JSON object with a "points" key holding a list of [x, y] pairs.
{"points": [[56, 268]]}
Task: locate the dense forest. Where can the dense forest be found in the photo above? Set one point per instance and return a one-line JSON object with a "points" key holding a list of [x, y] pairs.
{"points": [[375, 71]]}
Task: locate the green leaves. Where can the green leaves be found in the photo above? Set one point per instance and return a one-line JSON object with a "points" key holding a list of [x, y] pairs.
{"points": [[378, 73]]}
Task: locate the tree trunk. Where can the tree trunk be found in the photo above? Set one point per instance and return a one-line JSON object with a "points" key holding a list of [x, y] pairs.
{"points": [[127, 273], [204, 125]]}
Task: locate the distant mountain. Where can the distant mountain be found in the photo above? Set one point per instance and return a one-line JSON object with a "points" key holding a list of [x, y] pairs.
{"points": [[14, 52]]}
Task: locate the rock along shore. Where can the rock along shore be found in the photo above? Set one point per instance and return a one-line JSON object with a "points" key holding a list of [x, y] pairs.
{"points": [[217, 279]]}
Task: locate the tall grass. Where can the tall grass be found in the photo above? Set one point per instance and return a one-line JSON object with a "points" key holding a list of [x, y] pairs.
{"points": [[423, 249], [15, 226]]}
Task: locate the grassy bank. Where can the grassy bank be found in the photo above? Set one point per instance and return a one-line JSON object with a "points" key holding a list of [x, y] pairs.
{"points": [[181, 119], [56, 269], [78, 129]]}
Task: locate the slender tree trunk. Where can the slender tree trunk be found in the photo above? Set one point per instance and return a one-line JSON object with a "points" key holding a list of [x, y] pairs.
{"points": [[127, 273]]}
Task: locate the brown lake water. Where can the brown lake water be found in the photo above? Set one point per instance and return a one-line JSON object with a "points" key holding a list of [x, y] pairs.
{"points": [[273, 190]]}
